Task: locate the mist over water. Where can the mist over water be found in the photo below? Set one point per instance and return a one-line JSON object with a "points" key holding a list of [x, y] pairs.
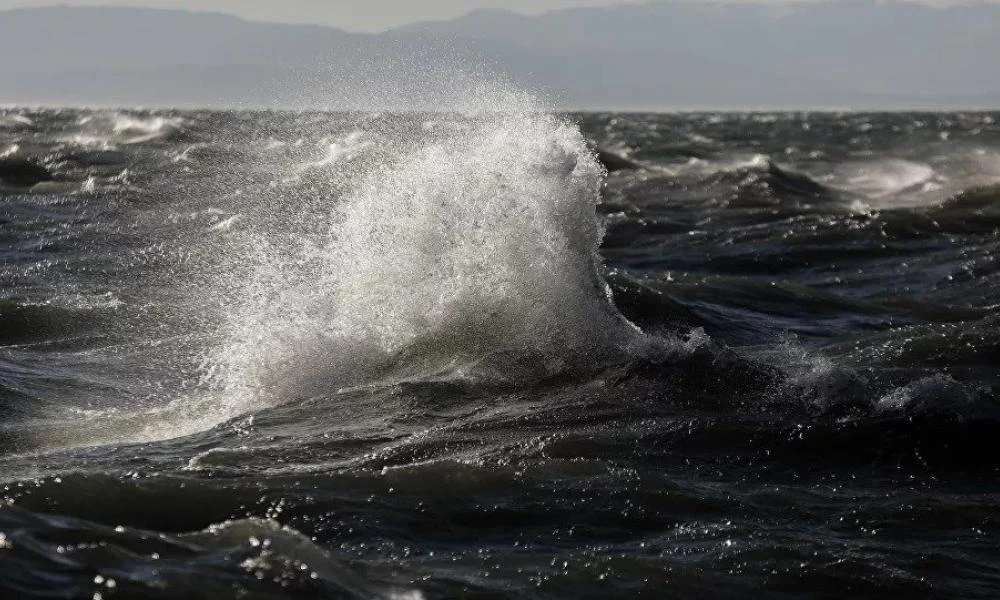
{"points": [[445, 353]]}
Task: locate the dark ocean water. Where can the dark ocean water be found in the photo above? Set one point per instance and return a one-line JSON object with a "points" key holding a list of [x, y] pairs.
{"points": [[308, 355]]}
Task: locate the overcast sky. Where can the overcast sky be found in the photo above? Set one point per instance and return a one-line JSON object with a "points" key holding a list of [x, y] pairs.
{"points": [[363, 15]]}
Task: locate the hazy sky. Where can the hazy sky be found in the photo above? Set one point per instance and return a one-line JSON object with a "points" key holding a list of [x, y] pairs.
{"points": [[367, 15]]}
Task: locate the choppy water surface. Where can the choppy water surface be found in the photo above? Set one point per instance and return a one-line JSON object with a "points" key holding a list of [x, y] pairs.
{"points": [[277, 355]]}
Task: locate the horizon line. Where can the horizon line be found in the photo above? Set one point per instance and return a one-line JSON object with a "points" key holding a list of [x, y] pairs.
{"points": [[951, 4]]}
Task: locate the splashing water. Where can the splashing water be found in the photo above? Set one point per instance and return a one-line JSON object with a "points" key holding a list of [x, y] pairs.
{"points": [[463, 249]]}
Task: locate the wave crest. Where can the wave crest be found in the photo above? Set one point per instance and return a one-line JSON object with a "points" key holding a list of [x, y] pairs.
{"points": [[469, 248]]}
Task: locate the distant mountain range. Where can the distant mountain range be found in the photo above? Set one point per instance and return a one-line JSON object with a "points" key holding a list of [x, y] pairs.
{"points": [[828, 54]]}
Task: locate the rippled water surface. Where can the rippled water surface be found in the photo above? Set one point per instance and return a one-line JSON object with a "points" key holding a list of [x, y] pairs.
{"points": [[311, 355]]}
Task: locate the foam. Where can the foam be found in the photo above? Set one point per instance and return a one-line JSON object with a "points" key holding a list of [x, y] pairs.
{"points": [[936, 395], [467, 250], [890, 183], [109, 129]]}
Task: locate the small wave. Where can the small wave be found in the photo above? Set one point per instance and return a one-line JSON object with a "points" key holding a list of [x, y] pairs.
{"points": [[894, 182], [15, 121], [281, 553], [734, 164], [759, 180], [616, 162], [980, 200], [793, 182], [937, 395], [143, 128], [759, 168], [110, 129], [268, 557]]}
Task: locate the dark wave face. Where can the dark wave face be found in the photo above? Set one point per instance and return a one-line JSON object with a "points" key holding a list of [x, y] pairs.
{"points": [[310, 355]]}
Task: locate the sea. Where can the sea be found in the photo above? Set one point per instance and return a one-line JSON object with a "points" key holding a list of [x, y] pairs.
{"points": [[499, 353]]}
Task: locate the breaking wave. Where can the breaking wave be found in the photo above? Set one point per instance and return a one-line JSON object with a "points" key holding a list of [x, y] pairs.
{"points": [[467, 248]]}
